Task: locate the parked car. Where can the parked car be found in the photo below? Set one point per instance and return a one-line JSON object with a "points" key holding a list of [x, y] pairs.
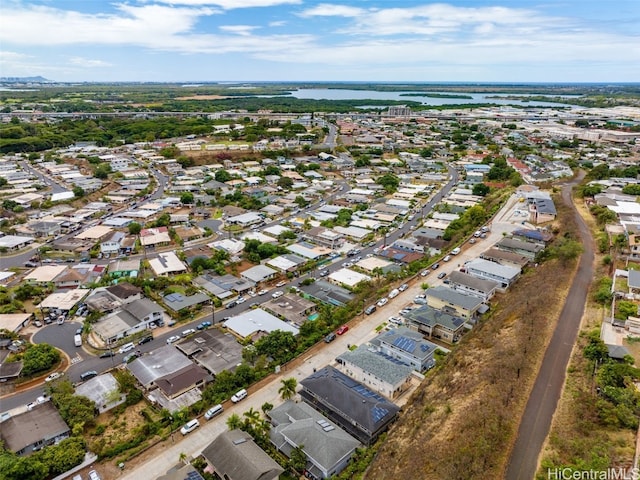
{"points": [[395, 320], [204, 325], [263, 292], [455, 251], [188, 331], [441, 275], [239, 395], [435, 266], [447, 258], [330, 338], [231, 304], [404, 286], [323, 273], [93, 475], [190, 426], [342, 330], [277, 294], [382, 302], [107, 354], [173, 338], [424, 273], [213, 411], [88, 375], [127, 347], [53, 376], [145, 339], [370, 309], [130, 358], [240, 300], [281, 283]]}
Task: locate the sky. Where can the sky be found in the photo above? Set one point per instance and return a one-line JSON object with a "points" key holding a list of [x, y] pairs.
{"points": [[307, 40]]}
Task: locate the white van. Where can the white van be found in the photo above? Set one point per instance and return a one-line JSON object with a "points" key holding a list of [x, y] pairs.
{"points": [[455, 251], [77, 340], [127, 347], [239, 395], [213, 411], [190, 426]]}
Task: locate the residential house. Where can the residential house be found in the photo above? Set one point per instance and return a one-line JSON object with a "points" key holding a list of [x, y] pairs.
{"points": [[154, 237], [327, 293], [455, 303], [324, 237], [259, 273], [103, 390], [384, 374], [167, 263], [291, 308], [28, 432], [503, 257], [111, 246], [132, 317], [502, 274], [224, 286], [436, 324], [355, 408], [407, 346], [472, 285], [327, 447], [526, 249], [233, 455], [256, 322]]}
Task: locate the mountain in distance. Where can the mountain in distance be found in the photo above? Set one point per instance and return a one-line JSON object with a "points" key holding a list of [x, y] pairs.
{"points": [[37, 79]]}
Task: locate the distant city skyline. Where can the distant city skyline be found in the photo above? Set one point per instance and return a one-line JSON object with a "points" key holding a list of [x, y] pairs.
{"points": [[307, 40]]}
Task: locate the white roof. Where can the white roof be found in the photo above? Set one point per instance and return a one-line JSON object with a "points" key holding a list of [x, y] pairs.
{"points": [[166, 262], [66, 195], [348, 277], [45, 273], [95, 233], [281, 263], [629, 208], [11, 241], [354, 232], [256, 320], [64, 300]]}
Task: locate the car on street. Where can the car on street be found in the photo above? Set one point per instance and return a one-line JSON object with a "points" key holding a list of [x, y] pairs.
{"points": [[424, 273], [403, 287], [145, 339], [347, 264], [472, 241], [342, 330], [323, 273], [240, 300], [204, 325], [88, 375], [395, 320], [53, 376], [231, 304], [277, 294], [441, 275], [435, 266], [127, 347], [190, 426], [172, 339], [213, 411], [239, 395], [263, 292], [281, 283], [107, 354], [370, 309], [382, 302], [130, 358], [330, 338], [188, 331], [447, 258]]}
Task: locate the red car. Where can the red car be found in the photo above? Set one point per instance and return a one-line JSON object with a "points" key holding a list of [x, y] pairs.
{"points": [[342, 329]]}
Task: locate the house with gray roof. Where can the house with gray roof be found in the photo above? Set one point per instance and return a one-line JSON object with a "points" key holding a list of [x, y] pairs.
{"points": [[503, 257], [233, 455], [327, 293], [526, 249], [327, 447], [407, 346], [213, 350], [354, 407], [470, 285], [259, 273], [103, 390], [383, 373], [455, 303], [435, 323], [177, 301], [28, 432], [132, 318], [157, 364], [224, 286], [502, 274]]}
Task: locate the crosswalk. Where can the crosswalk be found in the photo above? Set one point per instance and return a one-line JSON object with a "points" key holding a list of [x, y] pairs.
{"points": [[76, 359]]}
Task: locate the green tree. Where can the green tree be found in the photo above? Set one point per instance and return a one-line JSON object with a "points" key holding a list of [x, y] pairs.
{"points": [[288, 388], [285, 183], [222, 176], [134, 228], [389, 181], [279, 345], [480, 189], [298, 459], [78, 192], [39, 358], [186, 198], [234, 422]]}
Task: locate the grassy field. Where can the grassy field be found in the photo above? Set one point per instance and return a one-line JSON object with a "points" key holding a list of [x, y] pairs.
{"points": [[462, 421]]}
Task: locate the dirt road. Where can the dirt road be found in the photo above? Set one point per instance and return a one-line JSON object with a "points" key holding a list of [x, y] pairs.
{"points": [[536, 420]]}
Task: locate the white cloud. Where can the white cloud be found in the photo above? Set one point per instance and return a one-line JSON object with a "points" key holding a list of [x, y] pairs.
{"points": [[87, 62], [331, 10], [232, 4], [279, 23], [238, 29]]}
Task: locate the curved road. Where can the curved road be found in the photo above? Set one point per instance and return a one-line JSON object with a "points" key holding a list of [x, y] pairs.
{"points": [[538, 414]]}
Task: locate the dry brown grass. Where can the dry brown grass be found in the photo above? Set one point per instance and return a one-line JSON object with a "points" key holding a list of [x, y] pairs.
{"points": [[462, 421]]}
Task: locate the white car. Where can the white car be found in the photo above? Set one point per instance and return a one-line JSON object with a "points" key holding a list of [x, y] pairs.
{"points": [[395, 320], [281, 283], [188, 331], [240, 300], [53, 376], [190, 426], [382, 302], [172, 339], [277, 294], [263, 292]]}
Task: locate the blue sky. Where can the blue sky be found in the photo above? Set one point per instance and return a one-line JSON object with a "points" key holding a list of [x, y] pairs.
{"points": [[308, 40]]}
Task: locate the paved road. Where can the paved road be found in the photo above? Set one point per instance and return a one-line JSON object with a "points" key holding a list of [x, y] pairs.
{"points": [[538, 414]]}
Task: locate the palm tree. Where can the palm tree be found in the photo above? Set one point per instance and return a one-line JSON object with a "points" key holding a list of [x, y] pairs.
{"points": [[253, 416], [234, 422], [288, 389]]}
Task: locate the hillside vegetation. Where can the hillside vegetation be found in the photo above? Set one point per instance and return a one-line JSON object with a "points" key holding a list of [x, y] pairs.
{"points": [[462, 421]]}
